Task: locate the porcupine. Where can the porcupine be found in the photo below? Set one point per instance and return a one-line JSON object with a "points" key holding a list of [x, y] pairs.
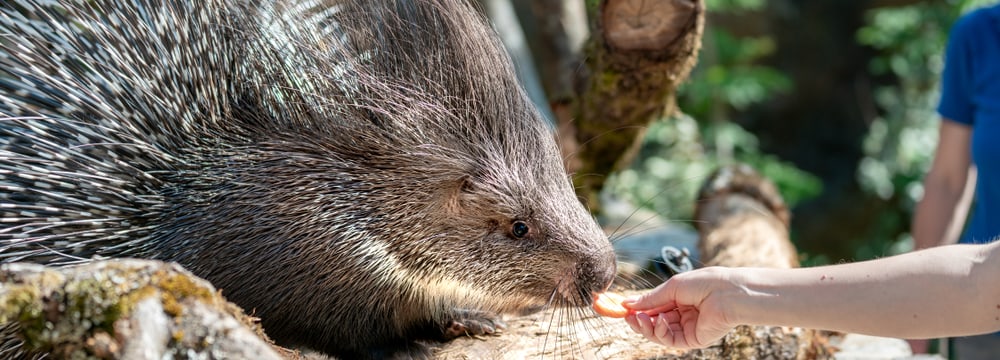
{"points": [[361, 174]]}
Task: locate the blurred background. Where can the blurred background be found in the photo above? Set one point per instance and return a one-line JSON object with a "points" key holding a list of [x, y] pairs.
{"points": [[834, 100]]}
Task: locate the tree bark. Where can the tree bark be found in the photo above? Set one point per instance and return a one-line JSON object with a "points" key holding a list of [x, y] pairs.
{"points": [[638, 53], [742, 221]]}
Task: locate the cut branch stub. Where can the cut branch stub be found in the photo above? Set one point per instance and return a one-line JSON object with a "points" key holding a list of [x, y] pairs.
{"points": [[647, 25]]}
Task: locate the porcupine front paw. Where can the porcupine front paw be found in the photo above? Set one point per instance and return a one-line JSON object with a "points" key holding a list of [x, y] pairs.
{"points": [[466, 322]]}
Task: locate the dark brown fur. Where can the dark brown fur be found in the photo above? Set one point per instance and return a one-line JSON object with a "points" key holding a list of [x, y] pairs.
{"points": [[353, 177]]}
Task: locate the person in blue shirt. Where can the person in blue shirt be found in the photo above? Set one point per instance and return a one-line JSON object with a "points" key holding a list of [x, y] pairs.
{"points": [[969, 143], [966, 166]]}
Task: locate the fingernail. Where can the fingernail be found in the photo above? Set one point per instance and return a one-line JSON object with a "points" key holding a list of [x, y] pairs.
{"points": [[642, 316]]}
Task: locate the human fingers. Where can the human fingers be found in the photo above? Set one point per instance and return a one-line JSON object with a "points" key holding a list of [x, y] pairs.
{"points": [[662, 328], [633, 323], [684, 289], [654, 329], [674, 329], [688, 320], [670, 306], [698, 327], [669, 330], [641, 324], [659, 328], [660, 299]]}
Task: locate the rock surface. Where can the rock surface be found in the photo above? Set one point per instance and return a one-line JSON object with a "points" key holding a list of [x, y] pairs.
{"points": [[122, 309]]}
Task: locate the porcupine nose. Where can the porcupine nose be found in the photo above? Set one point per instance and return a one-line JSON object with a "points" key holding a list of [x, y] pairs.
{"points": [[597, 273]]}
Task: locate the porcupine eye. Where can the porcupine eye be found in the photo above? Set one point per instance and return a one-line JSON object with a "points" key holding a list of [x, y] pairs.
{"points": [[519, 229]]}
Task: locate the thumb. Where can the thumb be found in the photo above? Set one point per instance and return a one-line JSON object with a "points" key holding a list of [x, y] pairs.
{"points": [[659, 299]]}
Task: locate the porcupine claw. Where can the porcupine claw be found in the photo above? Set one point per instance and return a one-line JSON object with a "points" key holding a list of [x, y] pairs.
{"points": [[473, 323]]}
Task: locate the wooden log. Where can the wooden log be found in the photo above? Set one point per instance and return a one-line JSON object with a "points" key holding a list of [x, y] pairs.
{"points": [[742, 221], [576, 334]]}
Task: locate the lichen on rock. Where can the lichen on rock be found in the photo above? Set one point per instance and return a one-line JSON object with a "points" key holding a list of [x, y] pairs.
{"points": [[132, 309]]}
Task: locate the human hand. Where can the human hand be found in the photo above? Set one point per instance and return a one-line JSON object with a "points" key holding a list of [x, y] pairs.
{"points": [[686, 311]]}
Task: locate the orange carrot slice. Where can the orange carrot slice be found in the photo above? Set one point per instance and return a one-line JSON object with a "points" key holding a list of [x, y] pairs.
{"points": [[610, 305]]}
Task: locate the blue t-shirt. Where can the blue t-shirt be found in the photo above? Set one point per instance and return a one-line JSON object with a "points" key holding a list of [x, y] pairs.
{"points": [[970, 94]]}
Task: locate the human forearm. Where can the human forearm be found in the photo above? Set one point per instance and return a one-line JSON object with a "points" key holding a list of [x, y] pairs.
{"points": [[941, 213], [948, 188], [938, 292]]}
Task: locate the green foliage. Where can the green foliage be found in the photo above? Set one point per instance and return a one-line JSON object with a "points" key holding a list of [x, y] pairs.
{"points": [[734, 5], [678, 153], [727, 76]]}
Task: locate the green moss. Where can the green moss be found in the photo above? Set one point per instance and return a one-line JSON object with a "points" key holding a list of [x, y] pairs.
{"points": [[592, 7], [128, 301], [92, 302], [21, 304], [176, 287], [177, 336], [608, 80], [60, 316]]}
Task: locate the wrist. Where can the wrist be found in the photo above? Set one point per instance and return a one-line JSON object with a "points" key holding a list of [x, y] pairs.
{"points": [[748, 296], [729, 292]]}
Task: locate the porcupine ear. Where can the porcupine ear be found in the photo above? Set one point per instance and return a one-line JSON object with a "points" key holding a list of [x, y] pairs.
{"points": [[455, 191]]}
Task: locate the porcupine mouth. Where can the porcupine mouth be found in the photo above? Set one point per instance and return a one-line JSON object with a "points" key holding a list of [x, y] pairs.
{"points": [[565, 293], [568, 292]]}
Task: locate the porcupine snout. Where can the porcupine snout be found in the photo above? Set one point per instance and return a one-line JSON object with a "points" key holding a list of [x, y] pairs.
{"points": [[597, 272]]}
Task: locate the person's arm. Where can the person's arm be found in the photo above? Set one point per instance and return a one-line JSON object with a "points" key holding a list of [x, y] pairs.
{"points": [[943, 291], [948, 189]]}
